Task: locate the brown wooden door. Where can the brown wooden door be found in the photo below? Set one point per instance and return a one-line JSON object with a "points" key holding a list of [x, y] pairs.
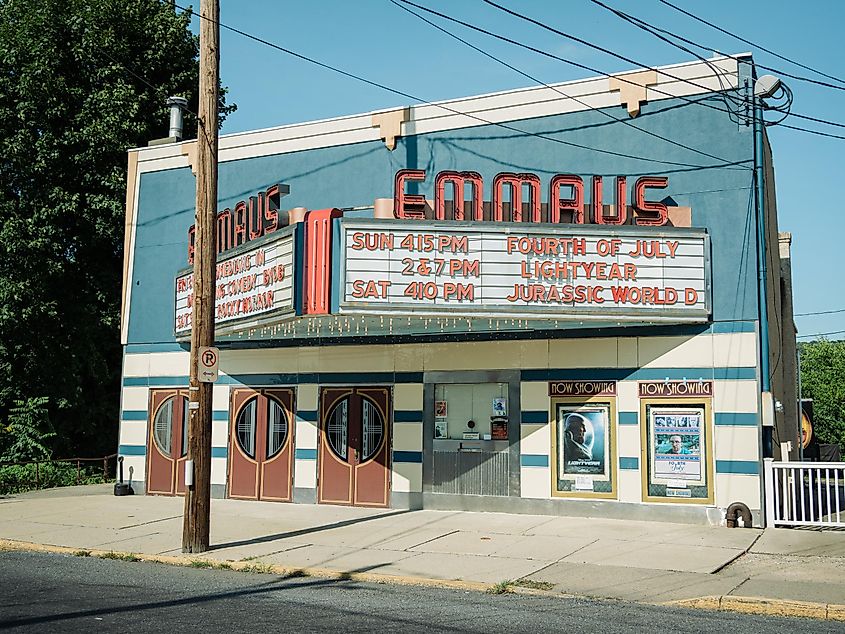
{"points": [[261, 444], [354, 453], [167, 442]]}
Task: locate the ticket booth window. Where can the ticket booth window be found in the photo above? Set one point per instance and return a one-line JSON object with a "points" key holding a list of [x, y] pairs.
{"points": [[471, 411]]}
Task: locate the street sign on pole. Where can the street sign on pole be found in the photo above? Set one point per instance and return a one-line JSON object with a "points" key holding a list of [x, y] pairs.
{"points": [[208, 362]]}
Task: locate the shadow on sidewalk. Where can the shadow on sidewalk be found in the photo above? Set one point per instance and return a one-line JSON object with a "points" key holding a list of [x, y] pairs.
{"points": [[306, 531]]}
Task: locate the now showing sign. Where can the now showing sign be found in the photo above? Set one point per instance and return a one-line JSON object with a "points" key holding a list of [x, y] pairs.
{"points": [[513, 270]]}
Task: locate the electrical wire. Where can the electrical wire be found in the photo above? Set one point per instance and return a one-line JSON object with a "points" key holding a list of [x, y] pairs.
{"points": [[708, 49], [448, 109], [554, 88], [630, 61], [738, 101], [600, 72], [750, 43], [656, 32], [652, 30], [162, 92], [620, 77], [596, 47], [816, 132], [820, 312], [822, 334]]}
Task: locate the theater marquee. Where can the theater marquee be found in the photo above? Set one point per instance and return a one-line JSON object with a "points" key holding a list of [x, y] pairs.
{"points": [[252, 282], [497, 269]]}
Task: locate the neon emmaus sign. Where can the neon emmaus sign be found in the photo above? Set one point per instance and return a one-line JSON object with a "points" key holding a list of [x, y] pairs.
{"points": [[566, 196], [514, 197]]}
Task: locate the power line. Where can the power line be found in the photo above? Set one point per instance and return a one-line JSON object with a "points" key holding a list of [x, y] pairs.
{"points": [[620, 77], [821, 312], [161, 91], [643, 26], [452, 110], [816, 132], [750, 43], [821, 334], [628, 60], [651, 30], [602, 49], [554, 88], [715, 50]]}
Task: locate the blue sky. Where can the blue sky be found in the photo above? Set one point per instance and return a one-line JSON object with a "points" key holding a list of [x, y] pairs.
{"points": [[377, 40]]}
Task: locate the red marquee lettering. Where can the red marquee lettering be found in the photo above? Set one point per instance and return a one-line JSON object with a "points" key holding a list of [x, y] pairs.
{"points": [[641, 205], [408, 205], [574, 204], [516, 182], [459, 181]]}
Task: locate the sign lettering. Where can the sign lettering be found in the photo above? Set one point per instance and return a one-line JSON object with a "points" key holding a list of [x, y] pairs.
{"points": [[540, 271]]}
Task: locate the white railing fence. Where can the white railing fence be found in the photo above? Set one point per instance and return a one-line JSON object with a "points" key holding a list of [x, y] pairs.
{"points": [[804, 493]]}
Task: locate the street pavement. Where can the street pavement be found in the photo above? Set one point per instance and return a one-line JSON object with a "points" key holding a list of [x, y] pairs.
{"points": [[47, 592], [776, 571]]}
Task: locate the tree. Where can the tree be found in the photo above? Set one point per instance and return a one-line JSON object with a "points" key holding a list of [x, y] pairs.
{"points": [[23, 439], [823, 380], [81, 81]]}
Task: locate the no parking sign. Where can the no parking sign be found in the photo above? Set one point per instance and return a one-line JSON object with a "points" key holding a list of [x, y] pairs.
{"points": [[208, 361]]}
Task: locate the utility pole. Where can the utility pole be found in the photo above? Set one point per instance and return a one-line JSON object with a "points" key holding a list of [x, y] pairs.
{"points": [[195, 528]]}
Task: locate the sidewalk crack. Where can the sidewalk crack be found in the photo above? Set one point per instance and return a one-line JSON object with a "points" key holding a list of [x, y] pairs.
{"points": [[161, 519], [737, 586], [578, 550], [740, 554], [559, 559], [431, 540]]}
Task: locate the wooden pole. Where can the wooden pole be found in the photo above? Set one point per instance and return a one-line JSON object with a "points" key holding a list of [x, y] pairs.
{"points": [[195, 528]]}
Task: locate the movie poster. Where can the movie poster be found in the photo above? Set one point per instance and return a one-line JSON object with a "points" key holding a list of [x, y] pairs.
{"points": [[677, 445], [583, 443]]}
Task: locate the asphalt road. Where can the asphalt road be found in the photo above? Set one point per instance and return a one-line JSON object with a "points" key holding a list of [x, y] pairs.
{"points": [[56, 593]]}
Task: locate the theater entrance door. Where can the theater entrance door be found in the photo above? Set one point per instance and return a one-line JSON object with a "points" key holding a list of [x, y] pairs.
{"points": [[167, 442], [354, 446], [261, 444]]}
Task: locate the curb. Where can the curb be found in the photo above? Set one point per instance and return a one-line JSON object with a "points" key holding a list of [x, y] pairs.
{"points": [[764, 606], [250, 566]]}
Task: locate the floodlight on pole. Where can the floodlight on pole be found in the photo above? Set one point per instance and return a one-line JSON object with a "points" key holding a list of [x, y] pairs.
{"points": [[766, 86]]}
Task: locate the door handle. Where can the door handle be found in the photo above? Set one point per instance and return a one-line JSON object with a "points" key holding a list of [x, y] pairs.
{"points": [[357, 457]]}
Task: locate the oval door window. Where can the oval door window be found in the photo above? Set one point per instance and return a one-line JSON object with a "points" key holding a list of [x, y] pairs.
{"points": [[245, 427], [372, 429], [163, 426], [337, 429], [277, 427]]}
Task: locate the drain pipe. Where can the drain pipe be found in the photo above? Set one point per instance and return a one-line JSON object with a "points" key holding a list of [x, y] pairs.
{"points": [[762, 299]]}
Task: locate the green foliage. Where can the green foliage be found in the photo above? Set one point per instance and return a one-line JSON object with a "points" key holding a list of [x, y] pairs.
{"points": [[120, 556], [823, 380], [200, 563], [47, 475], [81, 81], [503, 587], [22, 438], [534, 585]]}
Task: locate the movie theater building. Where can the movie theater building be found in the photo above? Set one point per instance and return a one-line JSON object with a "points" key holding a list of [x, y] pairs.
{"points": [[554, 300]]}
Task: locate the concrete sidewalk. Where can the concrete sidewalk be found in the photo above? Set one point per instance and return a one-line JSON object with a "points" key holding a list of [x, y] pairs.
{"points": [[630, 560]]}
